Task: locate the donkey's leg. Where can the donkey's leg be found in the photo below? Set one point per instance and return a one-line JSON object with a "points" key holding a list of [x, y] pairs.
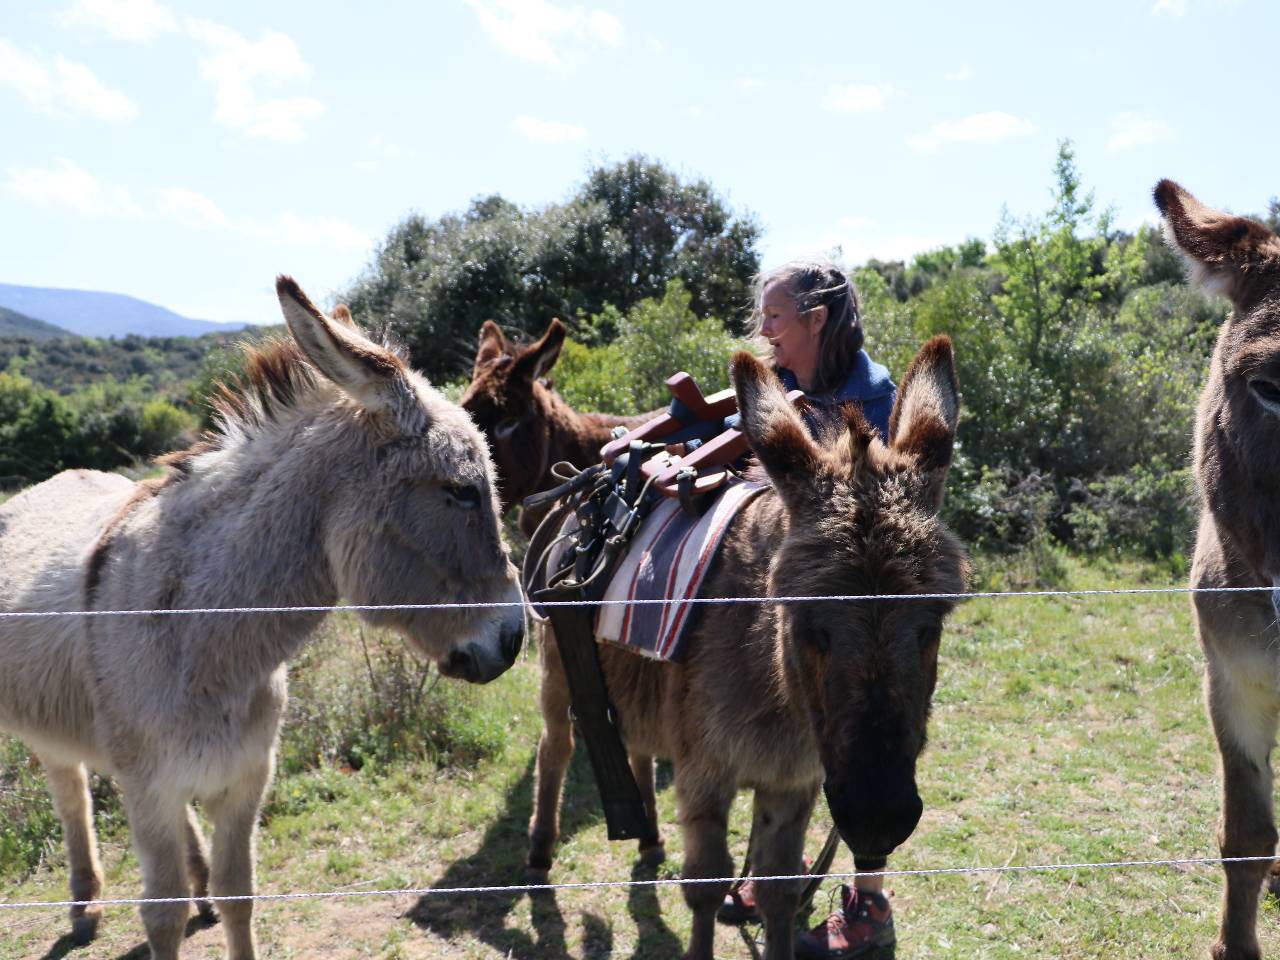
{"points": [[198, 867], [69, 786], [703, 803], [652, 851], [1244, 715], [555, 748], [157, 823], [234, 812], [780, 818]]}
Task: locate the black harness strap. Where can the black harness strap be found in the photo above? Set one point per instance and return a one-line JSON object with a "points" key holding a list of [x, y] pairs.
{"points": [[597, 721]]}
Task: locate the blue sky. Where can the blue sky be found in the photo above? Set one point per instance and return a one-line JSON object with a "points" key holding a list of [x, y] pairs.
{"points": [[187, 153]]}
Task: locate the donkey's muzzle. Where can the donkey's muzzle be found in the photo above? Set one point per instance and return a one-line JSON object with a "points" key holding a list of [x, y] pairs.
{"points": [[874, 818], [480, 663]]}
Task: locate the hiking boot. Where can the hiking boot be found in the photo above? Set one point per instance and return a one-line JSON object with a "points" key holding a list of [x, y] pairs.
{"points": [[739, 905], [862, 927]]}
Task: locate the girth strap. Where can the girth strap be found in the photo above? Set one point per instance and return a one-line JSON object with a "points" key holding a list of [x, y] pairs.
{"points": [[597, 721]]}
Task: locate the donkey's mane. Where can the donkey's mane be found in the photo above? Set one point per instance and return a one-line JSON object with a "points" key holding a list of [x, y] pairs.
{"points": [[277, 376]]}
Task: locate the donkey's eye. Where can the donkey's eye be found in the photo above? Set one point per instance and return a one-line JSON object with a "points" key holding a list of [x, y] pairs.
{"points": [[466, 496], [1265, 389]]}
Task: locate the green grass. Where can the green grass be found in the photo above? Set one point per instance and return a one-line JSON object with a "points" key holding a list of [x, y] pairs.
{"points": [[1064, 730]]}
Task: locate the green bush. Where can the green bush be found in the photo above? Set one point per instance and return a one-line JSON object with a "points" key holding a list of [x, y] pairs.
{"points": [[655, 338]]}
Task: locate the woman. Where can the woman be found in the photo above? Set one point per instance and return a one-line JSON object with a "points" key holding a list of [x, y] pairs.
{"points": [[808, 312]]}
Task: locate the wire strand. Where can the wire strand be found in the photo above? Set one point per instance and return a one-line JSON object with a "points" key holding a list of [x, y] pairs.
{"points": [[498, 604], [660, 882]]}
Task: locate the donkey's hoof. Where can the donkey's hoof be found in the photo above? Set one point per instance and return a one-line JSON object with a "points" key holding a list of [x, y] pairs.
{"points": [[653, 854], [84, 928], [206, 913], [536, 875]]}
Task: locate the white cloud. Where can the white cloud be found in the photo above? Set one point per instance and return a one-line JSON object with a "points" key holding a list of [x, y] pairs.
{"points": [[1171, 8], [291, 229], [960, 75], [67, 185], [139, 20], [543, 32], [749, 83], [190, 208], [233, 63], [84, 93], [857, 97], [978, 128], [547, 131], [1129, 130], [62, 86]]}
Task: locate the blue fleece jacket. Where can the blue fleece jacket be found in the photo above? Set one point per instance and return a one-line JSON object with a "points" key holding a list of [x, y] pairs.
{"points": [[868, 383]]}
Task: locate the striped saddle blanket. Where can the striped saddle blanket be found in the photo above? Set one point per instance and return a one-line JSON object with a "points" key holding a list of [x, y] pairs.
{"points": [[667, 560]]}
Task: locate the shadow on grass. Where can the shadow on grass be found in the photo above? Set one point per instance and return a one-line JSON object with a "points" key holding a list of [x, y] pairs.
{"points": [[66, 944], [499, 861]]}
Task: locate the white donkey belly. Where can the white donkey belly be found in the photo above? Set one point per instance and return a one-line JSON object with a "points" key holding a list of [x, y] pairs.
{"points": [[1243, 651], [46, 534]]}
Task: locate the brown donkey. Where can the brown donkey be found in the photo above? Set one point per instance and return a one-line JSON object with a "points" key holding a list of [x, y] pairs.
{"points": [[1237, 462], [529, 426], [786, 698], [336, 471]]}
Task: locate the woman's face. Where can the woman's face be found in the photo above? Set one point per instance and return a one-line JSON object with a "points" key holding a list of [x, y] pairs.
{"points": [[794, 337]]}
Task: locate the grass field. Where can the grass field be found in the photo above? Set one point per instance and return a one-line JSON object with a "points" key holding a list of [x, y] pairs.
{"points": [[1064, 730]]}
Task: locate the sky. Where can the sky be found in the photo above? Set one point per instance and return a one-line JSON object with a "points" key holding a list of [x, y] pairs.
{"points": [[186, 154]]}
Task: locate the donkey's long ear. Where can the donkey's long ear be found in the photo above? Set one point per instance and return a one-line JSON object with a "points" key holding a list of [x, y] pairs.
{"points": [[1224, 250], [366, 371], [923, 424], [536, 359], [492, 346], [775, 431]]}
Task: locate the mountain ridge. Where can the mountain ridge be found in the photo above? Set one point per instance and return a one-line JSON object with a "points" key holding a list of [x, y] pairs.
{"points": [[97, 313]]}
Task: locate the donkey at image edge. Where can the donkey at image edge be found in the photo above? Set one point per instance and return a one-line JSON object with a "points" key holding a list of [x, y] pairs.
{"points": [[1237, 468], [335, 471]]}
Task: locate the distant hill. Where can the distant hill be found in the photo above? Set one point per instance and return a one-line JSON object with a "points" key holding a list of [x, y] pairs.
{"points": [[14, 324], [92, 313]]}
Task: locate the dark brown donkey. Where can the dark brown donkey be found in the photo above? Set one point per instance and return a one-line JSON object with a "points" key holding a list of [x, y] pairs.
{"points": [[529, 426], [786, 698], [1237, 460]]}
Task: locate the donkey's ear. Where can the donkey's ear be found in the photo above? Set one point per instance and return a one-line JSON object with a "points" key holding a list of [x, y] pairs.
{"points": [[362, 368], [491, 347], [342, 314], [923, 424], [1223, 249], [536, 359], [775, 431]]}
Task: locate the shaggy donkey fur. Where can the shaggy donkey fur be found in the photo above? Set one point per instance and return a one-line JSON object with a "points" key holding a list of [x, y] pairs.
{"points": [[789, 698], [1237, 465], [336, 472]]}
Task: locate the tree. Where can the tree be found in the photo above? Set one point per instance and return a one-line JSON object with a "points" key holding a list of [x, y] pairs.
{"points": [[625, 232]]}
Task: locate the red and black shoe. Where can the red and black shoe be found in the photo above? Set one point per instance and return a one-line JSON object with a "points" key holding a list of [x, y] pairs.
{"points": [[862, 927], [739, 905]]}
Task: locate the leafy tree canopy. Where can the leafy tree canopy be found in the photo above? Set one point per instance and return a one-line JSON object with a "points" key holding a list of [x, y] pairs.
{"points": [[624, 233]]}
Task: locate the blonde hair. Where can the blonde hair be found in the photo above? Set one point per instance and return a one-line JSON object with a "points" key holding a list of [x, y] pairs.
{"points": [[811, 284]]}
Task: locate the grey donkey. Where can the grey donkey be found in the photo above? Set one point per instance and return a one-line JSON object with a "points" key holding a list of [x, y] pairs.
{"points": [[1237, 466], [335, 471]]}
